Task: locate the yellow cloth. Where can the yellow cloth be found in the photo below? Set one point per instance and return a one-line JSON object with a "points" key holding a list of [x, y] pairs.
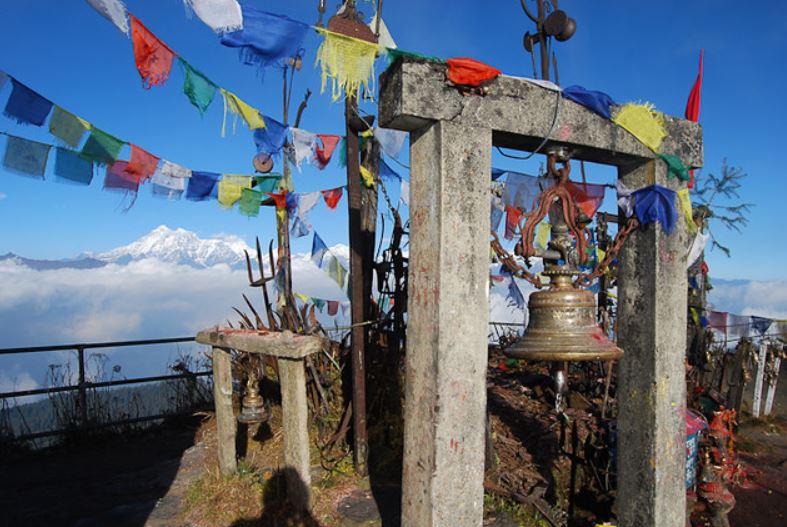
{"points": [[685, 205], [643, 122], [303, 298], [695, 316], [349, 62], [368, 178], [230, 188], [237, 107], [542, 234]]}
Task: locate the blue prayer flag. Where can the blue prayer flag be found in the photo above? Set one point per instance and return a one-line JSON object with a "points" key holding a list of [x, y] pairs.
{"points": [[202, 186], [26, 157], [761, 324], [271, 138], [266, 39], [73, 167], [387, 172], [656, 204], [318, 250], [26, 106], [596, 101]]}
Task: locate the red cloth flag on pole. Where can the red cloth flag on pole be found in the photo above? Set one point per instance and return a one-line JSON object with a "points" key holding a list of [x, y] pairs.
{"points": [[332, 197], [153, 57], [693, 106], [322, 154]]}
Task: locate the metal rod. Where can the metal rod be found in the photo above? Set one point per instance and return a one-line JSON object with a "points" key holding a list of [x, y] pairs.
{"points": [[542, 39], [121, 382], [93, 345], [82, 401]]}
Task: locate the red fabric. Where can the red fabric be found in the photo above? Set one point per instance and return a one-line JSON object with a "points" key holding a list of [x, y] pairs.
{"points": [[588, 196], [280, 199], [469, 72], [332, 197], [117, 179], [691, 179], [717, 320], [693, 104], [333, 307], [153, 57], [704, 268], [142, 165], [512, 221], [498, 278], [323, 154]]}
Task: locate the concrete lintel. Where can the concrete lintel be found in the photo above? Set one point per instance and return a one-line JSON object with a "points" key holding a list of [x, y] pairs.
{"points": [[414, 93], [281, 344]]}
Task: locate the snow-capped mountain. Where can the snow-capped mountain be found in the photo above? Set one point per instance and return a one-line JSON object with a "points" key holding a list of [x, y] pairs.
{"points": [[179, 246]]}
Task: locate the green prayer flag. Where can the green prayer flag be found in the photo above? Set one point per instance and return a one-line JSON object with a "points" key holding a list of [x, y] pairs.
{"points": [[198, 88], [675, 166], [267, 183], [337, 271], [250, 202], [101, 147], [67, 127]]}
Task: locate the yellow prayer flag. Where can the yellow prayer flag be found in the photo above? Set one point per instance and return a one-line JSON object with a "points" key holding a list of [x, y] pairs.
{"points": [[368, 178], [643, 122], [303, 298], [348, 61], [236, 106], [230, 188], [542, 234], [685, 205]]}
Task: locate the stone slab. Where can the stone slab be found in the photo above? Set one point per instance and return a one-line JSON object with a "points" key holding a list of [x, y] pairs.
{"points": [[281, 344]]}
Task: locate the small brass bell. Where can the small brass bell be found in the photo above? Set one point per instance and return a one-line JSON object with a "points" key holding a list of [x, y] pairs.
{"points": [[253, 408], [562, 323]]}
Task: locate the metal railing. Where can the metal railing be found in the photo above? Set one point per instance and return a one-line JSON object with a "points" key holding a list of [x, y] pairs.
{"points": [[83, 385]]}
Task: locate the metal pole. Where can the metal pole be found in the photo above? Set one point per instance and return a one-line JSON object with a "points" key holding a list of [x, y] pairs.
{"points": [[356, 290], [542, 39], [82, 396]]}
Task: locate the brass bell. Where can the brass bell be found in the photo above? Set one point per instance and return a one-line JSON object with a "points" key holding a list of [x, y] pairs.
{"points": [[253, 409], [562, 323]]}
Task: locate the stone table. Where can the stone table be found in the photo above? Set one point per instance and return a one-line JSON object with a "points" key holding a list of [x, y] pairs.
{"points": [[290, 350]]}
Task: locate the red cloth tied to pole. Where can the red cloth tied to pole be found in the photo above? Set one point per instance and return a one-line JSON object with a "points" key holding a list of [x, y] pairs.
{"points": [[280, 199], [332, 196], [153, 57], [141, 166], [512, 221], [587, 195], [322, 154], [470, 72], [693, 106]]}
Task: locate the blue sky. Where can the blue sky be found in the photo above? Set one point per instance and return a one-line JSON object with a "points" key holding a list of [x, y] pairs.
{"points": [[635, 51]]}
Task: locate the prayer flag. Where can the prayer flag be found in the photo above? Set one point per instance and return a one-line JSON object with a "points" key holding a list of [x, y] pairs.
{"points": [[345, 307], [332, 197], [303, 143], [342, 148], [142, 164], [300, 227], [152, 56], [625, 201], [391, 141], [513, 215], [303, 298], [521, 190], [596, 101], [319, 303], [497, 173], [101, 147], [170, 180], [271, 138], [266, 39], [318, 250], [656, 204], [718, 320], [112, 10], [697, 246], [305, 203], [323, 149], [280, 199], [251, 116], [333, 307], [515, 297], [231, 187], [760, 324], [643, 122], [116, 178], [220, 15], [587, 195], [348, 62], [336, 270], [67, 127], [384, 39], [675, 167], [693, 104], [685, 206], [267, 183], [71, 166], [201, 185], [26, 106], [3, 78], [387, 173], [543, 230], [496, 213], [26, 157], [197, 87], [738, 327], [404, 192], [367, 177], [470, 72], [250, 201]]}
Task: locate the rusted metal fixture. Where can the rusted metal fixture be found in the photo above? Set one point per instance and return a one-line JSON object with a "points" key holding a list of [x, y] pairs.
{"points": [[562, 323], [556, 24]]}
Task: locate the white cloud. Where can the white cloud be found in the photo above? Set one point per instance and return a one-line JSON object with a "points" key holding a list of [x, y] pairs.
{"points": [[742, 297], [16, 381]]}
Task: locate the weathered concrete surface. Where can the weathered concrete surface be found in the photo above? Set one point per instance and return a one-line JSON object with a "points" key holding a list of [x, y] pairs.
{"points": [[226, 427], [274, 343], [445, 393], [295, 421], [651, 380], [520, 113]]}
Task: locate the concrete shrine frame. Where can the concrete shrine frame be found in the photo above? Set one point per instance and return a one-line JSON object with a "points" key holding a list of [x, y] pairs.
{"points": [[451, 139]]}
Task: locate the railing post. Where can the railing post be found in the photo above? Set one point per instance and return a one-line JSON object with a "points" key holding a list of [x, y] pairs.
{"points": [[82, 397]]}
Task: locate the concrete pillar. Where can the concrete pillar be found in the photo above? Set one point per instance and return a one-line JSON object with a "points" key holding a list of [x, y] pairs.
{"points": [[295, 424], [652, 292], [445, 392], [225, 418]]}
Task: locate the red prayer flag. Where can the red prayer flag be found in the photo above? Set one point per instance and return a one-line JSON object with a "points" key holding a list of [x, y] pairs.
{"points": [[704, 267], [332, 196], [693, 104], [153, 57], [587, 195], [323, 154], [470, 72], [717, 320], [142, 165], [280, 199], [512, 221], [117, 179], [333, 307]]}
